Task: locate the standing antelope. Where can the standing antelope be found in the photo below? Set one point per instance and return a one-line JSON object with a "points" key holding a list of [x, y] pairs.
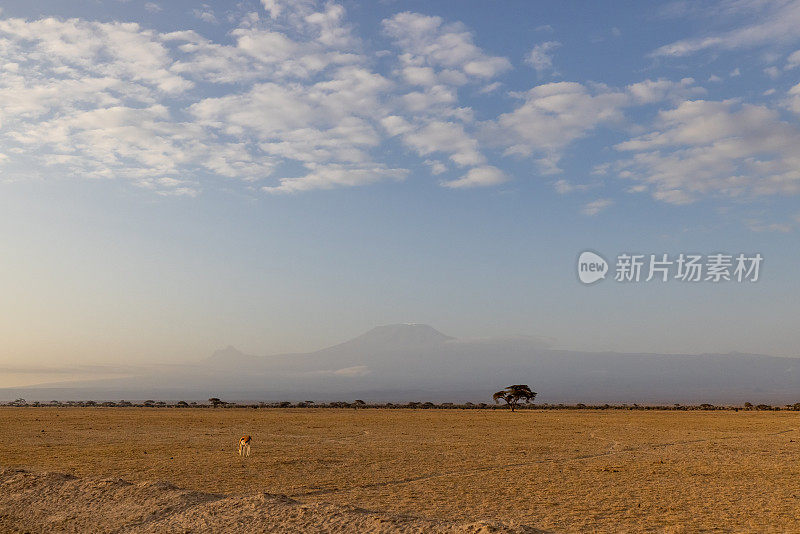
{"points": [[244, 446]]}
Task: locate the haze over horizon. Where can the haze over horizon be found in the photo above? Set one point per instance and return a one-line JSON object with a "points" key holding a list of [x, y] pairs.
{"points": [[409, 362], [284, 176]]}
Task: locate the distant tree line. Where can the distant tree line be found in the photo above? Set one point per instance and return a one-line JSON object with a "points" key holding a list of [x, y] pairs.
{"points": [[359, 404]]}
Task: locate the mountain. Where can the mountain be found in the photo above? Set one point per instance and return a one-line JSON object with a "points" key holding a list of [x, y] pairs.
{"points": [[392, 337], [404, 362]]}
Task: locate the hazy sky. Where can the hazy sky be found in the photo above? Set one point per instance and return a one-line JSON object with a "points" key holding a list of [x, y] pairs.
{"points": [[281, 176]]}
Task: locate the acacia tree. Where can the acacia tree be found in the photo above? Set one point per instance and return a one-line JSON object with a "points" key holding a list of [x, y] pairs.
{"points": [[514, 394]]}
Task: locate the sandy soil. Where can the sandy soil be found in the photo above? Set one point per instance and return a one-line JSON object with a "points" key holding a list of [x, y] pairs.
{"points": [[56, 502], [560, 471]]}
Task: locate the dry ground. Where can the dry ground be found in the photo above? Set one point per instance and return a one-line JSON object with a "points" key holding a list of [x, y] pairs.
{"points": [[47, 503], [561, 471]]}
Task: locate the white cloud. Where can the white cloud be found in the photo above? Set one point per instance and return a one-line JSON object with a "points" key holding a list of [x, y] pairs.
{"points": [[329, 127], [437, 167], [312, 20], [270, 111], [773, 22], [551, 117], [793, 99], [331, 175], [85, 98], [435, 59], [76, 49], [651, 91], [596, 206], [206, 15], [395, 125], [715, 148], [438, 97], [446, 137], [490, 88], [419, 75], [448, 50], [141, 145], [152, 7], [273, 7], [541, 56], [564, 187], [793, 61], [259, 53], [478, 177], [239, 160], [114, 100], [773, 72], [295, 104], [555, 115]]}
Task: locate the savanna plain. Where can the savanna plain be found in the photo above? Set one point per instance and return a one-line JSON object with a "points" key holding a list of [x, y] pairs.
{"points": [[400, 470]]}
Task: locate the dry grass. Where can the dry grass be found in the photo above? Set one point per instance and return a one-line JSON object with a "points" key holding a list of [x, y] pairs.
{"points": [[555, 470]]}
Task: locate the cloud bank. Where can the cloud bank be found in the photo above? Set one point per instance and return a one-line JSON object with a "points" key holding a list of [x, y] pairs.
{"points": [[296, 101]]}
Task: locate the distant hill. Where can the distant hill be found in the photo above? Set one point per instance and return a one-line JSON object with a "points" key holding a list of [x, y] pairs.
{"points": [[404, 362]]}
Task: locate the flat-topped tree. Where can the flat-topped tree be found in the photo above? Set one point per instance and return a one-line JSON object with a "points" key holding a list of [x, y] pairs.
{"points": [[514, 394]]}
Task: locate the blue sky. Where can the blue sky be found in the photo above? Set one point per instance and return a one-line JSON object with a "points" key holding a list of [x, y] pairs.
{"points": [[178, 176]]}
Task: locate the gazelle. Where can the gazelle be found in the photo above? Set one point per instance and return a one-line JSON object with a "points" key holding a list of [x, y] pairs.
{"points": [[244, 446]]}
